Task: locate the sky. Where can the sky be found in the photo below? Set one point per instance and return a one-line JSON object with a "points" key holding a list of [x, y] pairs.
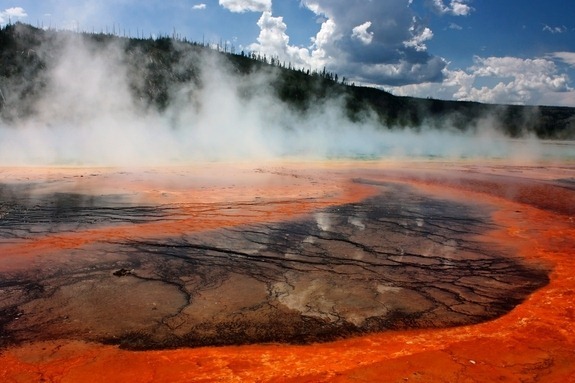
{"points": [[493, 51]]}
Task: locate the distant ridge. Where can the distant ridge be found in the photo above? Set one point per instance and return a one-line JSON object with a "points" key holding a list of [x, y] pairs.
{"points": [[156, 65]]}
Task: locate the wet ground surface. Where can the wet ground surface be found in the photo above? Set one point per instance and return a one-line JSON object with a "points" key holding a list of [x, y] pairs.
{"points": [[398, 260], [419, 274]]}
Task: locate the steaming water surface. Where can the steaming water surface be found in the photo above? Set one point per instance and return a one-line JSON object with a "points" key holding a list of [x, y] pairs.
{"points": [[87, 114], [106, 269]]}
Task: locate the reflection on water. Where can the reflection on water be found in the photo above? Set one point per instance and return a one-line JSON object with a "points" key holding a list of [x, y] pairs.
{"points": [[396, 260]]}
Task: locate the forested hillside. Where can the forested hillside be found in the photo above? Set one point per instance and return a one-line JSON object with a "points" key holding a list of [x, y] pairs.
{"points": [[156, 66]]}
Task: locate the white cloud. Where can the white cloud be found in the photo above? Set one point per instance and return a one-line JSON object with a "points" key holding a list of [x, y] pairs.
{"points": [[390, 50], [555, 30], [274, 42], [566, 57], [504, 80], [13, 13], [272, 32], [322, 44], [455, 26], [419, 38], [439, 6], [530, 70], [455, 7], [459, 8], [326, 34], [521, 81], [240, 6], [360, 33], [199, 6], [404, 72]]}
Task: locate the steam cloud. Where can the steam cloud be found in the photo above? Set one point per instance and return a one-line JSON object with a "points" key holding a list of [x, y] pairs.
{"points": [[87, 115]]}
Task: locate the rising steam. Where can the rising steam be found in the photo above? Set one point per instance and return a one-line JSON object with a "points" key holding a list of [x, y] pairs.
{"points": [[88, 115]]}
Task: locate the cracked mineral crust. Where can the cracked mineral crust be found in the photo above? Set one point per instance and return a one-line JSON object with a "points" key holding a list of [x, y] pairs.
{"points": [[396, 260]]}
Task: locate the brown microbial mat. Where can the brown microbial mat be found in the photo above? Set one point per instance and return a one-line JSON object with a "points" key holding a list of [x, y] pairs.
{"points": [[301, 272]]}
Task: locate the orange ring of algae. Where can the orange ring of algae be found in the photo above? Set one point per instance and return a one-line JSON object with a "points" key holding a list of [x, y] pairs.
{"points": [[534, 342]]}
